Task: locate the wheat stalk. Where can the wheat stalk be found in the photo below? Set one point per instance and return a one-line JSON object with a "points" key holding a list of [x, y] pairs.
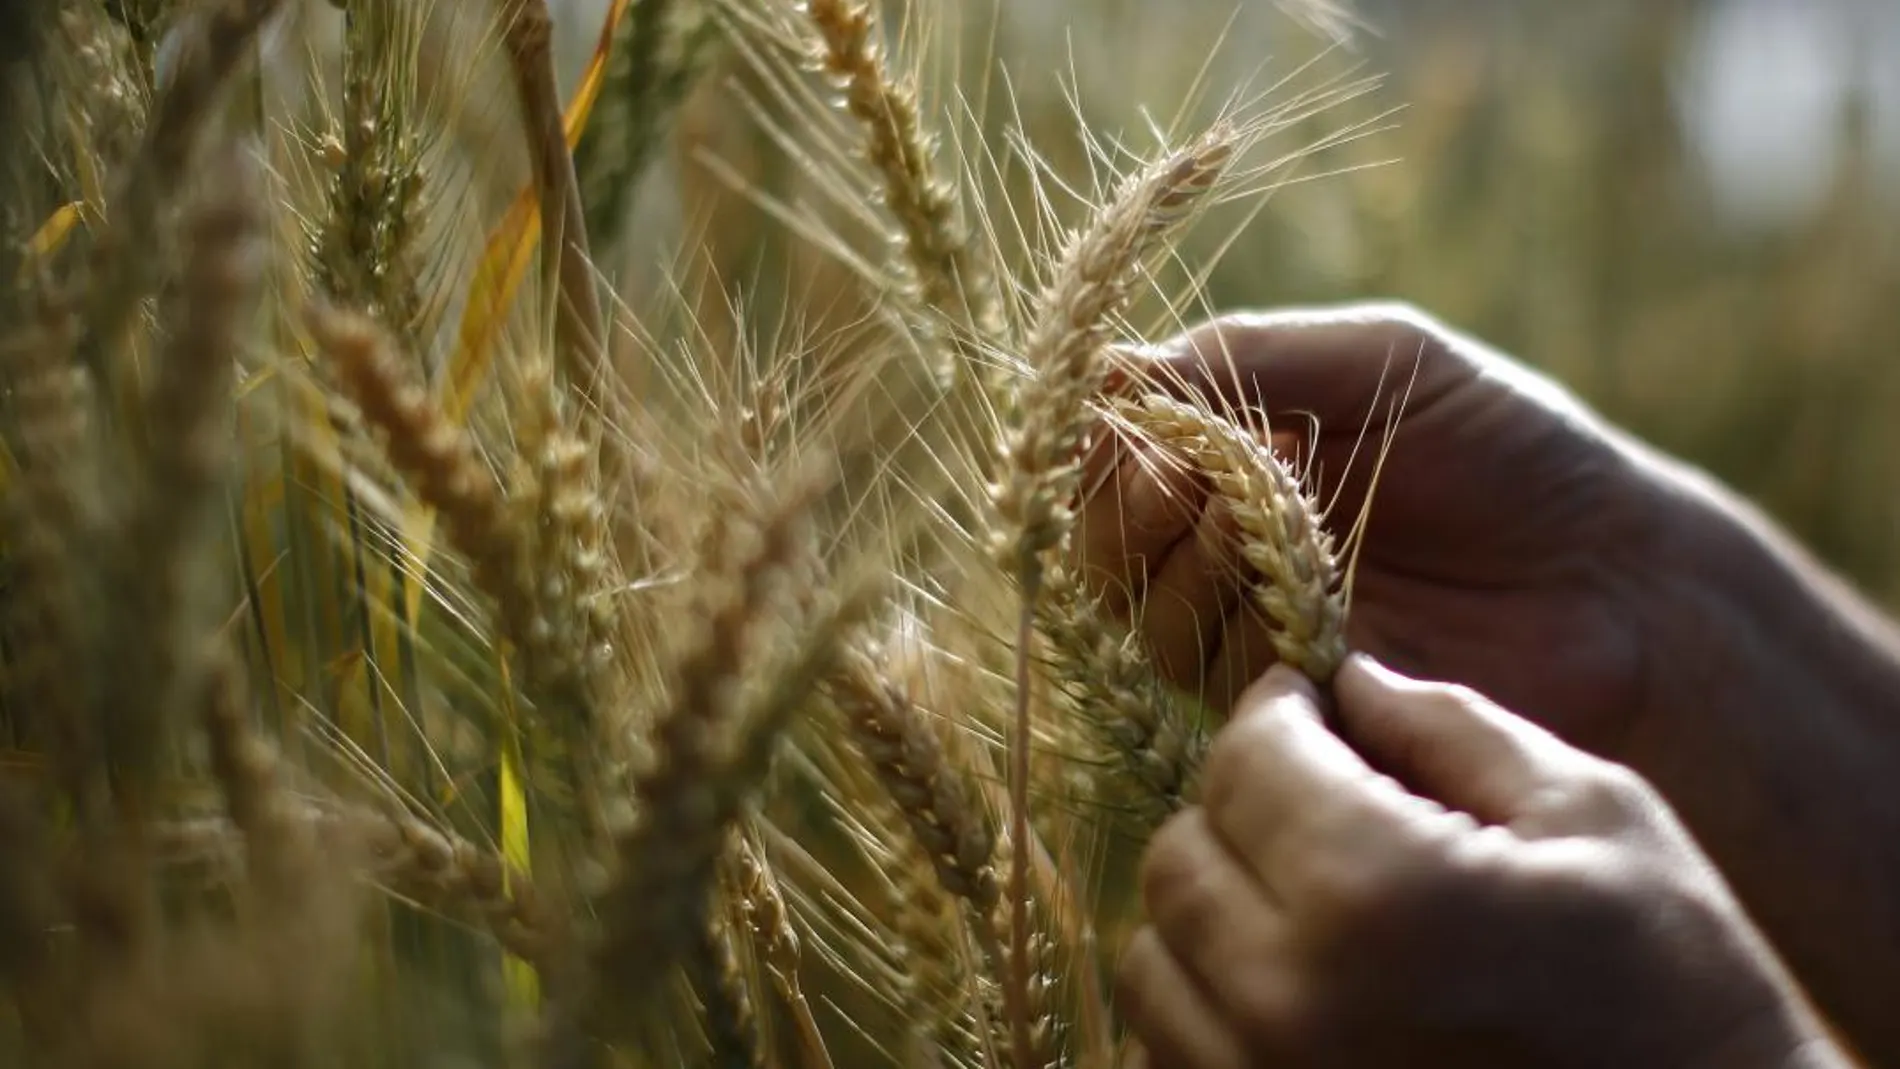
{"points": [[567, 269]]}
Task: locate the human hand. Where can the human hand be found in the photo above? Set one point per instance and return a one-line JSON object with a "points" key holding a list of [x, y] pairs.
{"points": [[1496, 898], [1511, 544]]}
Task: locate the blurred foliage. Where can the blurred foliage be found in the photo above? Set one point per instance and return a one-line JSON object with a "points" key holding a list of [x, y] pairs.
{"points": [[1533, 183]]}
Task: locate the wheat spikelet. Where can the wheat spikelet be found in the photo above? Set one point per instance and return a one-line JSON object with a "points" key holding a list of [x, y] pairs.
{"points": [[362, 253], [953, 274], [1282, 538]]}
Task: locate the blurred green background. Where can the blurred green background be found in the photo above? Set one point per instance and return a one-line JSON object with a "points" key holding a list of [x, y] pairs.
{"points": [[1689, 212]]}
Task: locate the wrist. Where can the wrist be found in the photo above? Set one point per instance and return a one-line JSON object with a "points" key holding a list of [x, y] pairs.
{"points": [[1771, 724], [1740, 617]]}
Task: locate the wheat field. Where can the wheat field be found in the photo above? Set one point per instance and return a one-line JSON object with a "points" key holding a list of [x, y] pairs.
{"points": [[545, 541]]}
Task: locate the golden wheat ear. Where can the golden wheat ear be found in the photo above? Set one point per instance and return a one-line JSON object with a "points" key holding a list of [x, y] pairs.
{"points": [[657, 905], [1300, 585], [953, 273]]}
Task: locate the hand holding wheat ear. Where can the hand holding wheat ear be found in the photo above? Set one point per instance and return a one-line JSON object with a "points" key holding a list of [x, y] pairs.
{"points": [[1501, 548]]}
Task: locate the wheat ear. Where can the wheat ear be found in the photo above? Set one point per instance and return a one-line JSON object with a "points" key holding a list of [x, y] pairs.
{"points": [[953, 274], [1041, 472], [280, 849], [163, 556], [760, 905], [911, 764], [1122, 697], [363, 254], [658, 52], [121, 266], [698, 783], [1299, 583], [440, 460], [433, 452], [407, 857], [55, 515], [732, 1022]]}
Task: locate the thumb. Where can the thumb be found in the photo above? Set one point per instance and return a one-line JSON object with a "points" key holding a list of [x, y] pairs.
{"points": [[1340, 367], [1447, 742]]}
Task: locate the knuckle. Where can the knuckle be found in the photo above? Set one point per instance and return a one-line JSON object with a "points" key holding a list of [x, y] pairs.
{"points": [[1170, 878], [1407, 322], [1454, 699], [1613, 794], [1234, 759], [1383, 877]]}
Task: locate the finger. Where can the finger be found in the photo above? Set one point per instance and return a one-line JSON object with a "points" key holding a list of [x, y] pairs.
{"points": [[1126, 529], [1217, 921], [1173, 1019], [1189, 598], [1448, 742], [1291, 799]]}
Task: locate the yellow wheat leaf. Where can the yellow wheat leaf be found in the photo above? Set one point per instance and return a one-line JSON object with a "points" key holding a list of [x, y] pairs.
{"points": [[491, 295], [511, 244], [522, 985], [51, 235], [504, 263]]}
